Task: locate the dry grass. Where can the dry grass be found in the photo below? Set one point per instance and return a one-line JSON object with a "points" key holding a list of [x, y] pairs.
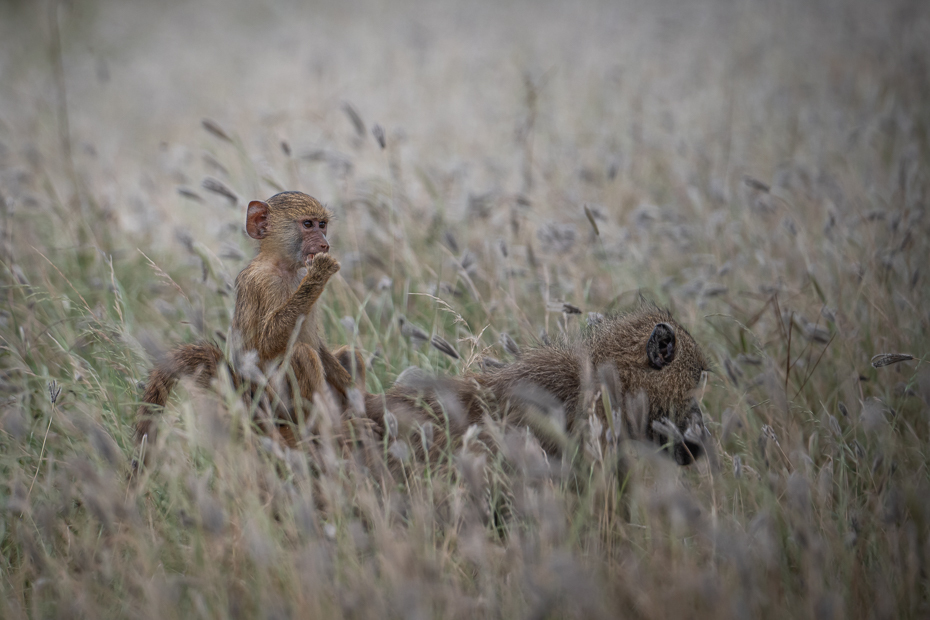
{"points": [[762, 168]]}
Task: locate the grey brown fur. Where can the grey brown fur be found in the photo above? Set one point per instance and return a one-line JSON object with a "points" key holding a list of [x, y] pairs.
{"points": [[627, 354]]}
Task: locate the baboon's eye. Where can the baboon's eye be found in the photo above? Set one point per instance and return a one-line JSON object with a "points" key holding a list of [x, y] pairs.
{"points": [[322, 225], [661, 346], [308, 223]]}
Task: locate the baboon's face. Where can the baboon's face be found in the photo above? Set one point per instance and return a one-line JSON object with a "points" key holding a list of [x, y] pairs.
{"points": [[657, 358], [676, 369], [291, 225], [690, 426]]}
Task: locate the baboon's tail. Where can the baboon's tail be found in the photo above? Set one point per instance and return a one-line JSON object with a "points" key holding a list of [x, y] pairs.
{"points": [[196, 360]]}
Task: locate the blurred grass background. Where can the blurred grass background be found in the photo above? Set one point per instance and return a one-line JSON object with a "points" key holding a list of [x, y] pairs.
{"points": [[759, 167]]}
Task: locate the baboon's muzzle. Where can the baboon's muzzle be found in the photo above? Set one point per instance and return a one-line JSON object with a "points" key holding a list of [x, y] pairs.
{"points": [[684, 440]]}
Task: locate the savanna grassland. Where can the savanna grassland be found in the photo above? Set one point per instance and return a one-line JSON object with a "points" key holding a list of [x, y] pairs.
{"points": [[761, 168]]}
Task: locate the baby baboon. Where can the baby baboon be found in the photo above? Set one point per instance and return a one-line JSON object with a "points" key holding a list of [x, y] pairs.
{"points": [[275, 313], [650, 365]]}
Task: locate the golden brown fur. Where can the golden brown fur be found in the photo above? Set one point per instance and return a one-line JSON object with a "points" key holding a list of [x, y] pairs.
{"points": [[275, 314], [640, 357]]}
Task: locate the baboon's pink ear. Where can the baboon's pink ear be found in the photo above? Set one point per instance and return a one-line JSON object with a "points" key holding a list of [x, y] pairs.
{"points": [[256, 219], [661, 346]]}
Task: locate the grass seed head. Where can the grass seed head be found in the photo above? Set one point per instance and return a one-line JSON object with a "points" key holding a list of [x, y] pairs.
{"points": [[214, 128], [886, 359], [444, 347], [218, 187], [378, 132], [509, 345]]}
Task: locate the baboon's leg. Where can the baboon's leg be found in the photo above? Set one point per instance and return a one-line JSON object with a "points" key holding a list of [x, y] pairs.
{"points": [[308, 371], [352, 360], [293, 390]]}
